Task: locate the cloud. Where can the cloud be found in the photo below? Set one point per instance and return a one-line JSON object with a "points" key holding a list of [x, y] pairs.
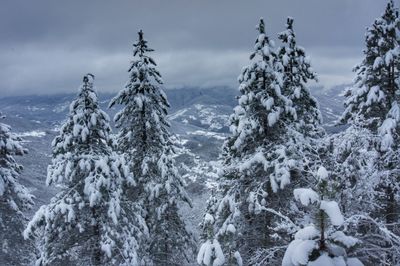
{"points": [[36, 70], [49, 70], [335, 65], [202, 68], [47, 45]]}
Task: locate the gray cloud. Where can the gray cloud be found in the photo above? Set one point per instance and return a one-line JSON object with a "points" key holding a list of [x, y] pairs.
{"points": [[47, 45]]}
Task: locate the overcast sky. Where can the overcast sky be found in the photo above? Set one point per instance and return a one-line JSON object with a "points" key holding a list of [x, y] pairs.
{"points": [[46, 46]]}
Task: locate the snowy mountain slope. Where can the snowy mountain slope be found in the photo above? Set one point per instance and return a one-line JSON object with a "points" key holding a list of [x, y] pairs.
{"points": [[331, 105], [210, 117]]}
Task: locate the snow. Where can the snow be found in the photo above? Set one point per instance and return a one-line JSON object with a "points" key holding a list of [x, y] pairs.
{"points": [[307, 233], [139, 102], [297, 92], [211, 254], [377, 63], [238, 258], [273, 118], [354, 262], [93, 119], [306, 196], [331, 208], [215, 135], [389, 58], [76, 129], [322, 173], [231, 228], [298, 252], [33, 133], [389, 126], [256, 158], [285, 59], [374, 95], [2, 187], [348, 241], [269, 103], [324, 260], [394, 111], [177, 114], [208, 218], [106, 248], [220, 259]]}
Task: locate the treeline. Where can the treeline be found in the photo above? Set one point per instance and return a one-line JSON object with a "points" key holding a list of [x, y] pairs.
{"points": [[289, 194]]}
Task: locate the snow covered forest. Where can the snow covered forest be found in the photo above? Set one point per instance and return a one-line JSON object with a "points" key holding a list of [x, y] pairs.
{"points": [[281, 189]]}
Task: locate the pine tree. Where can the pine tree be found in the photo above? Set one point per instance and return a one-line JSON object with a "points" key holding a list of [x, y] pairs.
{"points": [[320, 242], [210, 252], [249, 176], [14, 199], [376, 88], [297, 73], [145, 140], [266, 154], [365, 157], [83, 224]]}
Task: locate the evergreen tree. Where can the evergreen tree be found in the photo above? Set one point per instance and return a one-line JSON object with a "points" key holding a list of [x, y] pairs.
{"points": [[14, 198], [297, 73], [353, 163], [83, 224], [266, 155], [320, 242], [375, 89], [210, 252], [145, 140], [365, 157]]}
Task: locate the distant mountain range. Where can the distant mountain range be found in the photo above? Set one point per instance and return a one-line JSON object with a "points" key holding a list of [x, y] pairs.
{"points": [[205, 108]]}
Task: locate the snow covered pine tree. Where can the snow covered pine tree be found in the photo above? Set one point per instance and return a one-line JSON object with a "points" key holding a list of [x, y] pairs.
{"points": [[145, 141], [14, 198], [82, 225], [270, 146], [320, 242], [366, 157], [210, 252], [297, 73]]}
